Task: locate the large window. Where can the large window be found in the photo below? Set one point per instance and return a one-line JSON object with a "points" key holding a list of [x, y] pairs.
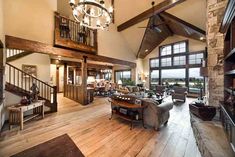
{"points": [[173, 77], [196, 82], [165, 62], [166, 50], [154, 63], [179, 60], [154, 78], [175, 66], [179, 47], [195, 58], [124, 76]]}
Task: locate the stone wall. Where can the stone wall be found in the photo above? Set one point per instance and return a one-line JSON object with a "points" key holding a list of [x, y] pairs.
{"points": [[215, 44]]}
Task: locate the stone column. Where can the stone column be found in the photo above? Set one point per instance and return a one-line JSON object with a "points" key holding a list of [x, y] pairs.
{"points": [[215, 43]]}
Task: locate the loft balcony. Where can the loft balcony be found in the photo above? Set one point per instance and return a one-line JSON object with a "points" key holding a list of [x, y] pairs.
{"points": [[70, 34]]}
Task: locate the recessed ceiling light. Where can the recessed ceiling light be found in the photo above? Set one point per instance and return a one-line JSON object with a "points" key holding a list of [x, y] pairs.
{"points": [[146, 50], [201, 38]]}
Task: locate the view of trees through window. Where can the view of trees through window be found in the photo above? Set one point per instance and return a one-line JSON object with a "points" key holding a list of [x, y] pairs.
{"points": [[177, 67], [124, 76]]}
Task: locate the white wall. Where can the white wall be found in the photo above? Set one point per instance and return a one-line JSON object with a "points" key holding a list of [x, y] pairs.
{"points": [[30, 19], [194, 45]]}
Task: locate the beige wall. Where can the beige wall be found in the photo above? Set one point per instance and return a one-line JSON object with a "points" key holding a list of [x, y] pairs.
{"points": [[1, 22], [111, 43], [61, 76], [193, 46], [30, 19], [42, 62]]}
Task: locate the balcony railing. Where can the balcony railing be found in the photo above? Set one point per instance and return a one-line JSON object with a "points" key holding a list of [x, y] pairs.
{"points": [[70, 34]]}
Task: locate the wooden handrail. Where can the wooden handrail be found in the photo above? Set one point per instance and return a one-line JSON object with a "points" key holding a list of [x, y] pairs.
{"points": [[16, 80], [69, 33], [29, 75]]}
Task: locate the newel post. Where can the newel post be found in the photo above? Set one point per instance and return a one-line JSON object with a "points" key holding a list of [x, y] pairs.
{"points": [[54, 108]]}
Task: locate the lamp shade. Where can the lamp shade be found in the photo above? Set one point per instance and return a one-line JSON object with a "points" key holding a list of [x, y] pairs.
{"points": [[119, 82]]}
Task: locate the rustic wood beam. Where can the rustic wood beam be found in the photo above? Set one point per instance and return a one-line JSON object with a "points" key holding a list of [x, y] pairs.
{"points": [[84, 81], [34, 46], [176, 19], [167, 4], [78, 64]]}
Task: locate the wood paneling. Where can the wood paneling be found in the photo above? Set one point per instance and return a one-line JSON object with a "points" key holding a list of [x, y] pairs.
{"points": [[29, 45], [152, 38], [166, 4], [183, 28], [173, 25]]}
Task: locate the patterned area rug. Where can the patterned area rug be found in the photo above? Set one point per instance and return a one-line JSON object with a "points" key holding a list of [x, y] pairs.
{"points": [[61, 146]]}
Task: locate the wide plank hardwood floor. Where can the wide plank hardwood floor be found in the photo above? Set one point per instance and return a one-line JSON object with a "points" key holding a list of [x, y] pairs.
{"points": [[97, 136]]}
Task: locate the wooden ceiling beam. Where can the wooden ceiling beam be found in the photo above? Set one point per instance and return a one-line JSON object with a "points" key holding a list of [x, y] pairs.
{"points": [[178, 20], [34, 46], [167, 4], [78, 64]]}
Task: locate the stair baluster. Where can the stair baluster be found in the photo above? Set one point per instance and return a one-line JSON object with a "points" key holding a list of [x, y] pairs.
{"points": [[45, 90]]}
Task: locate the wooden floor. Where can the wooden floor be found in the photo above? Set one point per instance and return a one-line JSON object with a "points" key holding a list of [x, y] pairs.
{"points": [[96, 135]]}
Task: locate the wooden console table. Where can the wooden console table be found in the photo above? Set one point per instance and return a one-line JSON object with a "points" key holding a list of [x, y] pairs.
{"points": [[127, 106], [16, 113]]}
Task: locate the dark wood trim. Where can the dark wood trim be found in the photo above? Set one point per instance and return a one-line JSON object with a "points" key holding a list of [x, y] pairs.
{"points": [[65, 79], [34, 46], [228, 16], [79, 64], [68, 43], [174, 18], [167, 4], [58, 78], [1, 44]]}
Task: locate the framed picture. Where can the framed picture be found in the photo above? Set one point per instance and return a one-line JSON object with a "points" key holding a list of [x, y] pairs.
{"points": [[30, 69]]}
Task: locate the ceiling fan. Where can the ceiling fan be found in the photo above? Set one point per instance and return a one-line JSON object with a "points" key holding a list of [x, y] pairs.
{"points": [[154, 26]]}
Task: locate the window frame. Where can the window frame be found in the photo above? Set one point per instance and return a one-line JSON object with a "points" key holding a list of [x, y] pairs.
{"points": [[187, 66], [123, 70]]}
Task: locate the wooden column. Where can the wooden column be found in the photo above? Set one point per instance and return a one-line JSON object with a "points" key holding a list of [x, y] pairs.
{"points": [[1, 70], [65, 78], [84, 81]]}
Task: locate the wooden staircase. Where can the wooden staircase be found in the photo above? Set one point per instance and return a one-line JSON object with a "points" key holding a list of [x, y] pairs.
{"points": [[19, 83], [14, 54]]}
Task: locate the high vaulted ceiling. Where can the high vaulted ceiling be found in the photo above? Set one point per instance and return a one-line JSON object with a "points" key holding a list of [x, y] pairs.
{"points": [[190, 11]]}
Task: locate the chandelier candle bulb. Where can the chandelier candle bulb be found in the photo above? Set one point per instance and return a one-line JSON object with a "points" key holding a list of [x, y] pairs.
{"points": [[93, 14]]}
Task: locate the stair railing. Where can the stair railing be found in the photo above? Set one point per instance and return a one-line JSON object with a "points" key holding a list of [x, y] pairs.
{"points": [[24, 82], [13, 52]]}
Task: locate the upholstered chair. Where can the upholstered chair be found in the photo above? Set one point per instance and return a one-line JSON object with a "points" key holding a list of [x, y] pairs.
{"points": [[156, 115], [179, 93], [160, 89]]}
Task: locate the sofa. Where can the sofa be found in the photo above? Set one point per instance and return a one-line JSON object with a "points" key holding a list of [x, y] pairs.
{"points": [[179, 93], [155, 114]]}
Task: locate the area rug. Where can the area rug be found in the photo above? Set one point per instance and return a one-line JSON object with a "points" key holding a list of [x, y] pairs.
{"points": [[61, 146]]}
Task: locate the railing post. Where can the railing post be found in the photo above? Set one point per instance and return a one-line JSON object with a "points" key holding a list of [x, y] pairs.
{"points": [[54, 107]]}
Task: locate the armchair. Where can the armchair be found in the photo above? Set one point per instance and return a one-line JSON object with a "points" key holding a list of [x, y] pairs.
{"points": [[179, 93], [156, 114], [160, 89]]}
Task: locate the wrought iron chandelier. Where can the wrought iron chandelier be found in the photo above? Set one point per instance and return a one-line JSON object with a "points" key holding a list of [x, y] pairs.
{"points": [[92, 13]]}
